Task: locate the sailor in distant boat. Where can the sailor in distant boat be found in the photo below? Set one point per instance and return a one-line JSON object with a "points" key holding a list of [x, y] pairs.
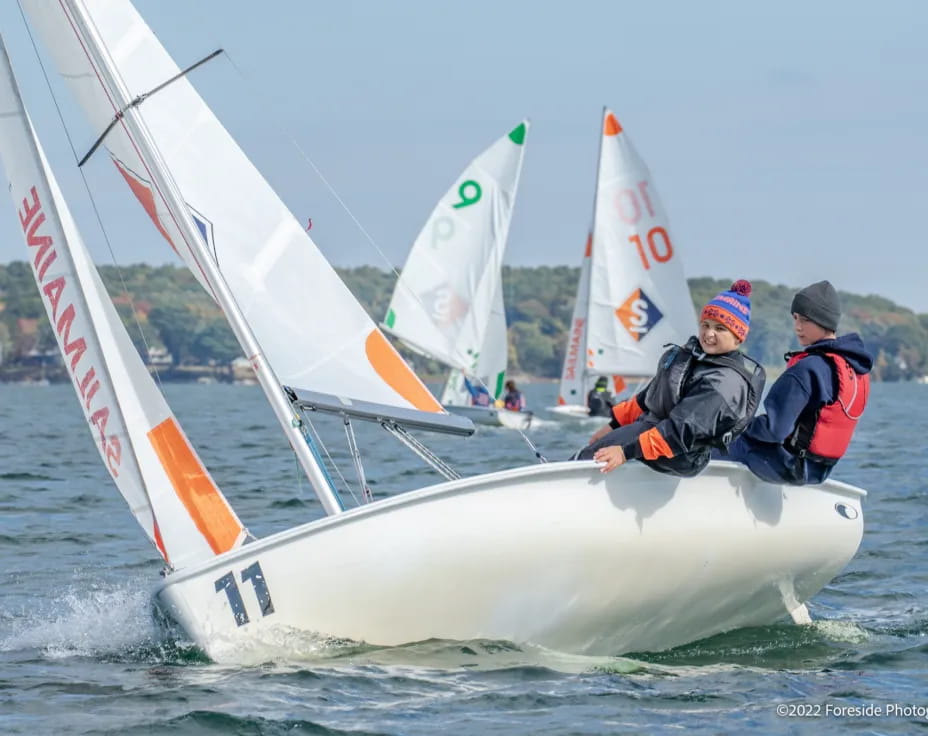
{"points": [[479, 395], [514, 400], [703, 394], [599, 400], [813, 407]]}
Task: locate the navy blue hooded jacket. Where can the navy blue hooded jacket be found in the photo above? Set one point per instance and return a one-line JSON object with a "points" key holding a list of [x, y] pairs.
{"points": [[809, 382]]}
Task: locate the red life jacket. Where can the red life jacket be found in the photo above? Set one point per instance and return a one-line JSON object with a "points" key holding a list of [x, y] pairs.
{"points": [[823, 433]]}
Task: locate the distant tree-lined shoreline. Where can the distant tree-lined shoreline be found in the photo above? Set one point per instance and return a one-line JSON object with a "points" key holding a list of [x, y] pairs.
{"points": [[167, 313]]}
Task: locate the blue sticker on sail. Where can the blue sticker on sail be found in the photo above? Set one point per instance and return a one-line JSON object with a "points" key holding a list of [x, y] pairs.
{"points": [[638, 314], [205, 226]]}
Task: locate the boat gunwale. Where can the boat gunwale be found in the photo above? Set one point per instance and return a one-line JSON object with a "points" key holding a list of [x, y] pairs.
{"points": [[470, 484]]}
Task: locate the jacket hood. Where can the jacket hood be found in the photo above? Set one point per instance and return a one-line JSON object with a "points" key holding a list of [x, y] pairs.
{"points": [[850, 347]]}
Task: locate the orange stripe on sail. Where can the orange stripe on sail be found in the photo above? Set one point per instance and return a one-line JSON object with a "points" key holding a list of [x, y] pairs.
{"points": [[618, 384], [159, 542], [589, 246], [390, 367], [193, 486], [611, 126], [147, 199]]}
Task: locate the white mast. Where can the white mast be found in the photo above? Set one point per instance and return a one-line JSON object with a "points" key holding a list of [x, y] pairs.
{"points": [[166, 187]]}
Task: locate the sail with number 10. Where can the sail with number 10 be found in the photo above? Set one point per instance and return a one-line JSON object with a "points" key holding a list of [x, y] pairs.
{"points": [[632, 296]]}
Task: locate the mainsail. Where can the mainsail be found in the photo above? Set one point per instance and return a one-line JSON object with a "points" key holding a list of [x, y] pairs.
{"points": [[448, 301], [311, 330], [639, 299], [140, 441]]}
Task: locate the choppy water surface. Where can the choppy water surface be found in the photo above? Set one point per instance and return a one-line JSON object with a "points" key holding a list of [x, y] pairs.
{"points": [[79, 652]]}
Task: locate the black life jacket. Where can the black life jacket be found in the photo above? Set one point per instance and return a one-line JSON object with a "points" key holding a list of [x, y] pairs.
{"points": [[823, 433], [598, 402], [666, 388]]}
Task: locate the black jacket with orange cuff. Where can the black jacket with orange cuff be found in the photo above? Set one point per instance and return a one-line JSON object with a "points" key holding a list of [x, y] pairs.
{"points": [[681, 424]]}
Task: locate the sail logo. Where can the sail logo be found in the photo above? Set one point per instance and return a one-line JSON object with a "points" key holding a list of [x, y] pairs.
{"points": [[142, 190], [573, 349], [63, 315], [145, 194], [638, 314], [444, 307]]}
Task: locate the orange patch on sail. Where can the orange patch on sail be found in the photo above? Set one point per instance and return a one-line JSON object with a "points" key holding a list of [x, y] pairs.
{"points": [[193, 486], [159, 542], [589, 246], [611, 125], [618, 384], [390, 367], [144, 195]]}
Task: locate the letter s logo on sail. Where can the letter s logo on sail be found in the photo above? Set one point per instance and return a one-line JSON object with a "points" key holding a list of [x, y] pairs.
{"points": [[638, 314]]}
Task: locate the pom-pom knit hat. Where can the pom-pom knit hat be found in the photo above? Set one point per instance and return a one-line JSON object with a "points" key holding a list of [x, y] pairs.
{"points": [[732, 308]]}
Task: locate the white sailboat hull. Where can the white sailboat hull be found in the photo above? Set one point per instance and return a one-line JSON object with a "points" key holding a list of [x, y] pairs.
{"points": [[572, 413], [569, 558], [493, 416]]}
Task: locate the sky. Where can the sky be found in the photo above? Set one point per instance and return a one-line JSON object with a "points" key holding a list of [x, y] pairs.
{"points": [[788, 141]]}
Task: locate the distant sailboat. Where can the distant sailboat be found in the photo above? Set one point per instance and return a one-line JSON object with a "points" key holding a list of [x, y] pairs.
{"points": [[545, 554], [448, 300], [632, 296]]}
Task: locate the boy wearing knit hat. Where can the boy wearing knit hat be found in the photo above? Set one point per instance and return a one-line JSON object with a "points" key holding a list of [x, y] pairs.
{"points": [[702, 395], [813, 407]]}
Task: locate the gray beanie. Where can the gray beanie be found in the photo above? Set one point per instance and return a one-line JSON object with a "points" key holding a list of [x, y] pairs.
{"points": [[819, 303]]}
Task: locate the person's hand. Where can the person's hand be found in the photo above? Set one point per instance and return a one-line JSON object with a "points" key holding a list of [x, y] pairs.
{"points": [[599, 434], [610, 458]]}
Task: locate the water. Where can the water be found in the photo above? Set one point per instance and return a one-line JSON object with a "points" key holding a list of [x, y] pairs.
{"points": [[79, 652]]}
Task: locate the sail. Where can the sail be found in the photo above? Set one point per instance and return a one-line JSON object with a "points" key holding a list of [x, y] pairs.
{"points": [[489, 368], [450, 287], [311, 330], [141, 443], [573, 387], [639, 299]]}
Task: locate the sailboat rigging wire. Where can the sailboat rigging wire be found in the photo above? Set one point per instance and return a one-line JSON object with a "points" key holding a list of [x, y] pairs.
{"points": [[93, 201], [140, 99], [538, 456], [314, 449], [421, 450], [370, 238], [358, 465]]}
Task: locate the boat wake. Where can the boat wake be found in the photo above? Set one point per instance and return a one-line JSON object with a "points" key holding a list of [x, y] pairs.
{"points": [[81, 622]]}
